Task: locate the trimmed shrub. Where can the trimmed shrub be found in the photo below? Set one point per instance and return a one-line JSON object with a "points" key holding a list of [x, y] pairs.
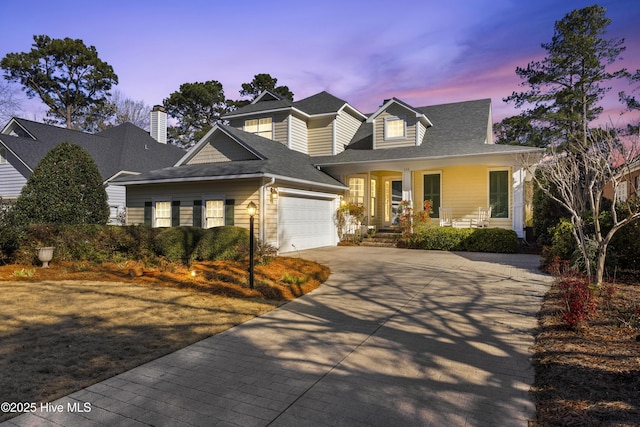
{"points": [[221, 243], [496, 240], [440, 238], [177, 244], [465, 239], [65, 188], [95, 243]]}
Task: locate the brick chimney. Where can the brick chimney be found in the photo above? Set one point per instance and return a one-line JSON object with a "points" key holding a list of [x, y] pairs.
{"points": [[158, 124]]}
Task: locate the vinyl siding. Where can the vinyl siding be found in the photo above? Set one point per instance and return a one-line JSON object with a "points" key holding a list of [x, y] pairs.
{"points": [[11, 181], [346, 127], [241, 191], [298, 135], [410, 137], [464, 189], [117, 198], [280, 127], [221, 149], [321, 137]]}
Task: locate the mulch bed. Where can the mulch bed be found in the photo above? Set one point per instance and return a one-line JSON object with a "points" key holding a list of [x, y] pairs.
{"points": [[590, 376]]}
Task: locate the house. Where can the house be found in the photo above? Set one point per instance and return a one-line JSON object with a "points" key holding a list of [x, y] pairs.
{"points": [[626, 185], [119, 151], [298, 160]]}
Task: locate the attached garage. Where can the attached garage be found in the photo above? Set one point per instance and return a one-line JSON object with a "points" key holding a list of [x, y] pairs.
{"points": [[306, 220]]}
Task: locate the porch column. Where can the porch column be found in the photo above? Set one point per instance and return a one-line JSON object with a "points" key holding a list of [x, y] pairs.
{"points": [[407, 185], [519, 175]]}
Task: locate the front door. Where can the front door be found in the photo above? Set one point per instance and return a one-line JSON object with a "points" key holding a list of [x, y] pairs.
{"points": [[393, 197]]}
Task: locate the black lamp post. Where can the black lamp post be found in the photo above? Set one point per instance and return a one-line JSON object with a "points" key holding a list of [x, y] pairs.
{"points": [[251, 210]]}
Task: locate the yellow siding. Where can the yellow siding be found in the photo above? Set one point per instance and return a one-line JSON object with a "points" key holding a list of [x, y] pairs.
{"points": [[464, 189], [320, 133]]}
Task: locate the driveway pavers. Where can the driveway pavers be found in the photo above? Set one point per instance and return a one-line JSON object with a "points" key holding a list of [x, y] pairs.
{"points": [[395, 337]]}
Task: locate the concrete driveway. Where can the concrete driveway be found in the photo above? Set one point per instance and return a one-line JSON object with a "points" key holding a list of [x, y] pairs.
{"points": [[395, 337]]}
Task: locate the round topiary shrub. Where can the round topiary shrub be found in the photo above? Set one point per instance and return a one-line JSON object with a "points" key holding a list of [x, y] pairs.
{"points": [[222, 243]]}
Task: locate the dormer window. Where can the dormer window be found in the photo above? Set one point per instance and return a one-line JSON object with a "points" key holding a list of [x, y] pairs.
{"points": [[395, 128], [261, 127]]}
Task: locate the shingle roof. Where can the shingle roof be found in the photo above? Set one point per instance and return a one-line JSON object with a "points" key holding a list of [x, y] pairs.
{"points": [[121, 148], [277, 160], [320, 103], [260, 106], [459, 129]]}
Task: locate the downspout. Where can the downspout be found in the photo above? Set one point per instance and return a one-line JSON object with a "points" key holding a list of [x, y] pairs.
{"points": [[263, 209]]}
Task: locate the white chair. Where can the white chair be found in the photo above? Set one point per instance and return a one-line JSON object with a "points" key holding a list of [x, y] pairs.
{"points": [[482, 219], [446, 219]]}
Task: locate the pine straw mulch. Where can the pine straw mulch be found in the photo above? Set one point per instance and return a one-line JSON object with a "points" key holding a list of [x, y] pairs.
{"points": [[74, 324], [590, 376]]}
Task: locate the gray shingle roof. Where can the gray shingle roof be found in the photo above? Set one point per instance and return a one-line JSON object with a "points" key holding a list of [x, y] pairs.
{"points": [[277, 160], [459, 129], [122, 148], [320, 103]]}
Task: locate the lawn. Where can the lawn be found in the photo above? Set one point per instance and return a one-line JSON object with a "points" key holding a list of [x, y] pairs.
{"points": [[75, 324]]}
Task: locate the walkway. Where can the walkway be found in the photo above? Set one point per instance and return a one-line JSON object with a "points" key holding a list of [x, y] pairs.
{"points": [[395, 337]]}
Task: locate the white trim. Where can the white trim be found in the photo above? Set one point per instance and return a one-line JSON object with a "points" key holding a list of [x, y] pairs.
{"points": [[510, 172], [307, 193], [205, 139], [14, 121], [3, 155]]}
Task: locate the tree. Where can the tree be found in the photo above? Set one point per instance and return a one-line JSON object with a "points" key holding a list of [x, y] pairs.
{"points": [[65, 74], [65, 188], [567, 85], [197, 107], [576, 178], [9, 104], [259, 84], [116, 110]]}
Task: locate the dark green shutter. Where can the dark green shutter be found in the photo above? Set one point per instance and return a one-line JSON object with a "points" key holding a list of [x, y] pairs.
{"points": [[197, 213], [229, 212], [148, 213], [175, 213], [499, 194], [432, 192]]}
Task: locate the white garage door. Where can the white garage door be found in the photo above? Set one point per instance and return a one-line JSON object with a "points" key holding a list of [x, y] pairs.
{"points": [[305, 223]]}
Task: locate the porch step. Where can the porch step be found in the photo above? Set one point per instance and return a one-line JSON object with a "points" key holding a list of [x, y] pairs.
{"points": [[387, 239]]}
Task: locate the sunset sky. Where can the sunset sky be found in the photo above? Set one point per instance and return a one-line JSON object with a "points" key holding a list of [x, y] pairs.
{"points": [[424, 52]]}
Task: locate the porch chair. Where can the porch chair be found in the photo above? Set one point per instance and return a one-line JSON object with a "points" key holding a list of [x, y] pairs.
{"points": [[446, 219], [483, 218]]}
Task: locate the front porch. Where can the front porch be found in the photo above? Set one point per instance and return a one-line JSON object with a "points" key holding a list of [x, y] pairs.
{"points": [[463, 191]]}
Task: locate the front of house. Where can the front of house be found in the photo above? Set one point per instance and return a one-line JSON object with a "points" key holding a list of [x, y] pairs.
{"points": [[298, 160]]}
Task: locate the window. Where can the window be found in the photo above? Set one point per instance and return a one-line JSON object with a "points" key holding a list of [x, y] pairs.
{"points": [[3, 155], [621, 192], [499, 194], [261, 127], [372, 206], [214, 213], [432, 192], [163, 214], [394, 127], [356, 190]]}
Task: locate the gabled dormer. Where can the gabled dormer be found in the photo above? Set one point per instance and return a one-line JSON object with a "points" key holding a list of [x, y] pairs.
{"points": [[397, 124], [14, 128], [318, 125], [218, 146]]}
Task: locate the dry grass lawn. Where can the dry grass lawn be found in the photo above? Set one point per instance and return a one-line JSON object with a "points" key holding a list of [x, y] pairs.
{"points": [[72, 325]]}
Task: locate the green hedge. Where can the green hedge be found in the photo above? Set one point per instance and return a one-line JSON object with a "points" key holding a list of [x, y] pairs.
{"points": [[96, 243], [465, 239], [107, 243], [222, 243]]}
